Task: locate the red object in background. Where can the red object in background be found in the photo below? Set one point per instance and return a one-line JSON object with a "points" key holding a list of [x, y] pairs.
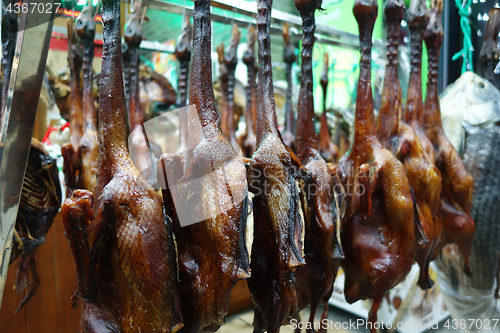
{"points": [[60, 42]]}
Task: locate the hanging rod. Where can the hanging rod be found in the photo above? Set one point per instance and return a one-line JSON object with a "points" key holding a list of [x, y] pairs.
{"points": [[324, 34]]}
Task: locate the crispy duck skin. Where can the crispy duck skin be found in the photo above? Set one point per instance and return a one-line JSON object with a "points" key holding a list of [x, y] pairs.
{"points": [[322, 245], [328, 149], [289, 58], [401, 139], [183, 55], [277, 250], [39, 204], [89, 144], [130, 249], [458, 226], [249, 140], [143, 158], [418, 17], [69, 151], [214, 251], [379, 229]]}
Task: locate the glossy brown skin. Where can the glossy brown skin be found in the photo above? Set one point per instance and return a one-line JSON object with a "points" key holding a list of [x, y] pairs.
{"points": [[231, 60], [130, 242], [61, 93], [69, 151], [277, 248], [490, 54], [224, 83], [418, 17], [322, 245], [289, 58], [75, 60], [38, 206], [379, 230], [89, 143], [213, 253], [249, 141], [183, 55], [9, 36], [154, 89], [402, 141], [458, 226], [328, 149], [143, 159]]}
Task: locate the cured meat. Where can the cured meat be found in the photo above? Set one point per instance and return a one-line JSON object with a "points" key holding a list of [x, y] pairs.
{"points": [[39, 204], [277, 249], [327, 148], [89, 143], [75, 60], [289, 58], [401, 139], [418, 17], [142, 156], [457, 185], [378, 233], [249, 139], [229, 62], [121, 240], [156, 93], [183, 54], [72, 163], [207, 197], [318, 195]]}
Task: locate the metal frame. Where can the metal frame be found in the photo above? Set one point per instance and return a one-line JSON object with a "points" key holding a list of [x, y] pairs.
{"points": [[28, 67]]}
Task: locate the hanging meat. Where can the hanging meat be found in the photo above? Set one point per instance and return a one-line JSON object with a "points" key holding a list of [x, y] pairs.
{"points": [[378, 233], [75, 61], [156, 92], [456, 194], [278, 243], [229, 61], [327, 148], [318, 195], [121, 240], [142, 156], [39, 204], [88, 153], [183, 54], [400, 138], [418, 17], [71, 166], [248, 140], [289, 58], [206, 195]]}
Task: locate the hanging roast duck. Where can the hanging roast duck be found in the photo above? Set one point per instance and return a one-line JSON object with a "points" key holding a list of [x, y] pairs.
{"points": [[207, 197], [289, 58], [458, 226], [278, 245], [121, 240], [379, 233], [401, 139], [319, 193]]}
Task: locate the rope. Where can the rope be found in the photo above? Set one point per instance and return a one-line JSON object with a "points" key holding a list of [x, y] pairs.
{"points": [[466, 52]]}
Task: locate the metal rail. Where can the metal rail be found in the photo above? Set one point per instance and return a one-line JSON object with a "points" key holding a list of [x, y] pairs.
{"points": [[324, 34]]}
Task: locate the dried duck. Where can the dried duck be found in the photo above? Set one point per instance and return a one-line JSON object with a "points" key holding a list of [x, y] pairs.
{"points": [[379, 234], [457, 184], [120, 239], [278, 244], [289, 58], [318, 195], [206, 195]]}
